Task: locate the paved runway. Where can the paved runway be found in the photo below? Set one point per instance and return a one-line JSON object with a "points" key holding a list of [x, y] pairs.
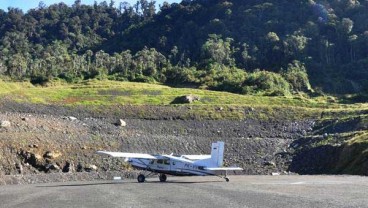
{"points": [[241, 191]]}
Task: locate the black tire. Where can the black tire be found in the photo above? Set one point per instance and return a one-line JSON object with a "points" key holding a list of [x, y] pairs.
{"points": [[162, 177], [227, 179], [141, 178]]}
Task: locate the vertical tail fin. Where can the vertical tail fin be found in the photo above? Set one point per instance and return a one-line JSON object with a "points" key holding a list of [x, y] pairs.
{"points": [[217, 153]]}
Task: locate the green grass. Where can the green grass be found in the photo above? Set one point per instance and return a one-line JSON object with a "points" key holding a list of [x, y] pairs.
{"points": [[111, 92], [95, 93]]}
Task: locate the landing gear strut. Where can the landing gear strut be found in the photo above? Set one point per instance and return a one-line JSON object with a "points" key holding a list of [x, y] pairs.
{"points": [[162, 177], [141, 178]]}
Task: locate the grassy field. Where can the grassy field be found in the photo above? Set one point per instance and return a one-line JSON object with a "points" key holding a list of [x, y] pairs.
{"points": [[97, 94], [111, 93]]}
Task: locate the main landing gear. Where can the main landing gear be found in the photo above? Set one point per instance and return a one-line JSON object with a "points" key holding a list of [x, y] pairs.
{"points": [[142, 178], [162, 177]]}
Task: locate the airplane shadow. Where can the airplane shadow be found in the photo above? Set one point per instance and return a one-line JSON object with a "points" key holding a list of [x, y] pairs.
{"points": [[184, 182], [123, 182]]}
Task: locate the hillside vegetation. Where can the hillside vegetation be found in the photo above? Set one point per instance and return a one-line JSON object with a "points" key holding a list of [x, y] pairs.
{"points": [[248, 47]]}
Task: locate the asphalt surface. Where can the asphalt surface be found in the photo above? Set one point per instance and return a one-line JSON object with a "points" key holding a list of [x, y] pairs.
{"points": [[241, 191]]}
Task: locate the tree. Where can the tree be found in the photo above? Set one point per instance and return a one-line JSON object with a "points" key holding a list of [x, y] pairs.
{"points": [[346, 26], [295, 44], [217, 50]]}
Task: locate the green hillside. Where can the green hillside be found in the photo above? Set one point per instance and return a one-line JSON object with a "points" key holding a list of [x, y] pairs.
{"points": [[247, 47]]}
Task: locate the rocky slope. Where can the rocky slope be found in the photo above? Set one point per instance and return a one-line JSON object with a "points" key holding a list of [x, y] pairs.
{"points": [[42, 143], [53, 139]]}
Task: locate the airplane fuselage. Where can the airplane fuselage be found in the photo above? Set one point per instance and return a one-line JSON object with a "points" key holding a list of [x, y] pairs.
{"points": [[171, 165]]}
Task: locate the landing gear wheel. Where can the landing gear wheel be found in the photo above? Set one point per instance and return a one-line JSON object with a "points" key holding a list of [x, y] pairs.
{"points": [[162, 177], [227, 179], [141, 178]]}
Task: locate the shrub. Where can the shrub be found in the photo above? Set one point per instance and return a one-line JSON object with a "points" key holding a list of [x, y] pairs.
{"points": [[39, 80], [296, 75], [179, 75], [225, 79], [267, 83]]}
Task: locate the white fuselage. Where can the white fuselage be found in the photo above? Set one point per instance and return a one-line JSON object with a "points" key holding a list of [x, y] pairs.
{"points": [[172, 165]]}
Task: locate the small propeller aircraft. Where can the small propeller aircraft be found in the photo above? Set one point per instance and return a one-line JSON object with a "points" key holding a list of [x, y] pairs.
{"points": [[183, 165]]}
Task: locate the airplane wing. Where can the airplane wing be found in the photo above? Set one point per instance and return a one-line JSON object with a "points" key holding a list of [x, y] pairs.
{"points": [[196, 157], [225, 168], [127, 155]]}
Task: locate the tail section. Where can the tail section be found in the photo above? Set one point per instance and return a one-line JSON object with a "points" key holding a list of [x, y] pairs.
{"points": [[217, 153]]}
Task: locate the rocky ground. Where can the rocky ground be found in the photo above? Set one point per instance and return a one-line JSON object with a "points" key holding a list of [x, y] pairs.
{"points": [[43, 139]]}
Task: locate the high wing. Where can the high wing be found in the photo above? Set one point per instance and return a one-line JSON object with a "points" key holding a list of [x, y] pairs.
{"points": [[127, 155], [196, 157], [225, 168]]}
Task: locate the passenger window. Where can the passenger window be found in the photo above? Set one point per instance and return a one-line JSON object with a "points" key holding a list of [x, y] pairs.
{"points": [[160, 161], [167, 162]]}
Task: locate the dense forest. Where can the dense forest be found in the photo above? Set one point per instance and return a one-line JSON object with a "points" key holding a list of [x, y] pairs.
{"points": [[269, 47]]}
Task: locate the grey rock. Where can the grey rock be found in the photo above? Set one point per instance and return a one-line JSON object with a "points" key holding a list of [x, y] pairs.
{"points": [[185, 99], [19, 167], [24, 119], [270, 163], [90, 168], [52, 167], [121, 123], [72, 118], [5, 124], [51, 155]]}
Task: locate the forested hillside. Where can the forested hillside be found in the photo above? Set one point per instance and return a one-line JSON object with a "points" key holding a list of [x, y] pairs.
{"points": [[270, 47]]}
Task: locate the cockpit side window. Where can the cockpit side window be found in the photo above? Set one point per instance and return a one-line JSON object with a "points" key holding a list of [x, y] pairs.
{"points": [[160, 161]]}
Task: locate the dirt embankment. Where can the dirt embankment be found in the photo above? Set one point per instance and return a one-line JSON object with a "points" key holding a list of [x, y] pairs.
{"points": [[50, 139]]}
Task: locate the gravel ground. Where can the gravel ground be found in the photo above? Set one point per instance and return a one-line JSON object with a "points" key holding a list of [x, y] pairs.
{"points": [[241, 191]]}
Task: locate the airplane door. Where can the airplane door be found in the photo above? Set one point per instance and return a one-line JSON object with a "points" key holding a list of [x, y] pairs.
{"points": [[162, 164], [167, 164]]}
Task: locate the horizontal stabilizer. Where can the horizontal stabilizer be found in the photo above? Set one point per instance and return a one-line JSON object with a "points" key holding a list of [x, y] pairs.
{"points": [[127, 155], [225, 168]]}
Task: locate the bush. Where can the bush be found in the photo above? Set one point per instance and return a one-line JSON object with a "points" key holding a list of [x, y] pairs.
{"points": [[226, 79], [39, 80], [266, 83], [179, 75], [145, 79], [296, 75]]}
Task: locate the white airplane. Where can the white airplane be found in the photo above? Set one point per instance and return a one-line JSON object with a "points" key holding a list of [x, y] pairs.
{"points": [[183, 165]]}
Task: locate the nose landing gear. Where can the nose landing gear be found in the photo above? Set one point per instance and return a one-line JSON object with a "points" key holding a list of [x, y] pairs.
{"points": [[141, 178]]}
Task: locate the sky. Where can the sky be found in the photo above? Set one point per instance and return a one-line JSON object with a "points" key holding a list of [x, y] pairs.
{"points": [[25, 5]]}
